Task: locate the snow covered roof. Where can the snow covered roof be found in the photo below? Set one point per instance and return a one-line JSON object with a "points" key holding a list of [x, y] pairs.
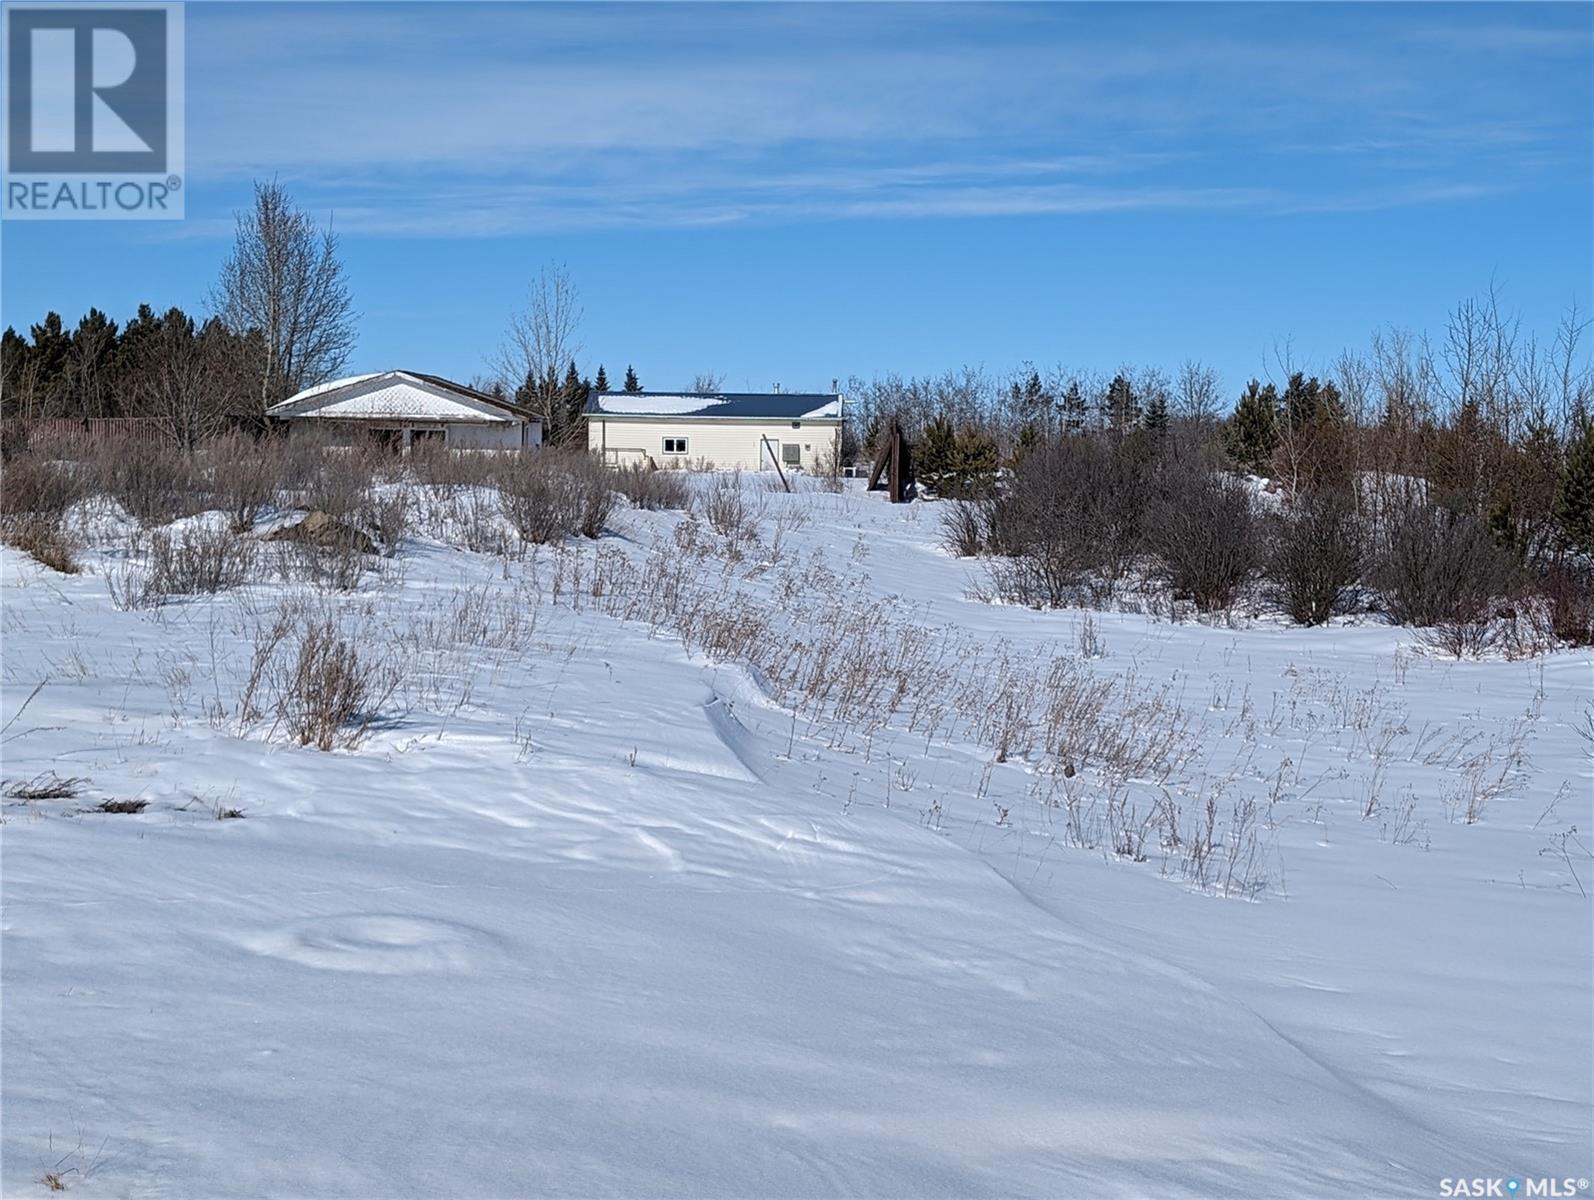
{"points": [[401, 395], [783, 406]]}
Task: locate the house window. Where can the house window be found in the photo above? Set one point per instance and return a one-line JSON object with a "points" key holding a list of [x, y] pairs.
{"points": [[675, 445], [791, 454]]}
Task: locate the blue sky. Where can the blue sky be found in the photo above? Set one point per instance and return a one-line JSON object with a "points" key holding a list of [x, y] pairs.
{"points": [[798, 193]]}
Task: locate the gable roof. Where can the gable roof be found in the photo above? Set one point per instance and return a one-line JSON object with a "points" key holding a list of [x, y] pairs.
{"points": [[411, 395], [783, 406]]}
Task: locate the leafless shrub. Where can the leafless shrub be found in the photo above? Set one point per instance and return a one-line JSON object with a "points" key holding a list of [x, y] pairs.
{"points": [[648, 487], [472, 519], [727, 511], [32, 486], [41, 537], [595, 491], [1567, 587], [194, 561], [1070, 518], [1525, 627], [1314, 554], [961, 530], [385, 513], [331, 692], [156, 484], [542, 501], [267, 637], [339, 482], [1436, 566], [337, 565], [1202, 531], [245, 476], [434, 465]]}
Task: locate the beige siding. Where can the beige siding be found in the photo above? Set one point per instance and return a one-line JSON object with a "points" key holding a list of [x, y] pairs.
{"points": [[726, 444]]}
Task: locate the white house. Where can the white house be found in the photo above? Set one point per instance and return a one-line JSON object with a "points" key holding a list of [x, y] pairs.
{"points": [[745, 431], [404, 408]]}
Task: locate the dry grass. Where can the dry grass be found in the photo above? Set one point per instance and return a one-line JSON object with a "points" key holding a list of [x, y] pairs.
{"points": [[331, 691], [193, 562], [651, 488], [121, 806], [46, 786]]}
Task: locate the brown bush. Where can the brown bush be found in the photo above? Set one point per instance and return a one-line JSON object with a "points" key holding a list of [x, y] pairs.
{"points": [[1314, 553], [548, 495], [245, 475], [1437, 566], [192, 562], [1202, 529], [41, 537], [155, 483], [34, 496], [1071, 517], [652, 488], [332, 692]]}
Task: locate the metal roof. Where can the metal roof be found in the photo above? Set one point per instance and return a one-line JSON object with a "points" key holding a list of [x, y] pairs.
{"points": [[783, 406]]}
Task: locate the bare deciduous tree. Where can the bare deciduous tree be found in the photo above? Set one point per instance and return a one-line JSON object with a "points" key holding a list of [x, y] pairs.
{"points": [[707, 381], [1196, 393], [284, 279], [541, 343], [190, 382]]}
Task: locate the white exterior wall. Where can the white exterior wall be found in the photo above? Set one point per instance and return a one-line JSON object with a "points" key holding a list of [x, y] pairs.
{"points": [[726, 443], [457, 435], [500, 436]]}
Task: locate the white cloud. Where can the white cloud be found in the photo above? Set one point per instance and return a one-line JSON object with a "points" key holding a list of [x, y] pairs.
{"points": [[473, 120]]}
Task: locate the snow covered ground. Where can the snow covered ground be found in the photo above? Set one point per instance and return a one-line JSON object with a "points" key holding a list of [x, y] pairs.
{"points": [[605, 905]]}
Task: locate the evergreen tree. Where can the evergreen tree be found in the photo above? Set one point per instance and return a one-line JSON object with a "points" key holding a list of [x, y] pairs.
{"points": [[1574, 501], [1300, 400], [1156, 418], [1028, 438], [601, 383], [87, 371], [527, 396], [1120, 405], [1031, 401], [631, 382], [935, 452], [974, 463], [1252, 432], [1075, 410], [573, 394]]}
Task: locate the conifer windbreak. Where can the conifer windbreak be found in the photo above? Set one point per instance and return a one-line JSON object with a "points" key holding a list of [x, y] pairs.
{"points": [[1574, 504]]}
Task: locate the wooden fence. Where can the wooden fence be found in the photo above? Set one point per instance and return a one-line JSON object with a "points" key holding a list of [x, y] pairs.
{"points": [[69, 434]]}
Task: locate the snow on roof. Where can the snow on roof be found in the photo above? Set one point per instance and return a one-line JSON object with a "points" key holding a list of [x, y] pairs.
{"points": [[409, 395], [404, 400], [777, 405], [331, 385]]}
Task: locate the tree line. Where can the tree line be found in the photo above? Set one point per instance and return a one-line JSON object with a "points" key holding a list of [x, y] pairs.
{"points": [[280, 317]]}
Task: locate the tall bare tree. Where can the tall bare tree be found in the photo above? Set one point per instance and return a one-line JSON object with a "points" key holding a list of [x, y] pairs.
{"points": [[540, 344], [284, 278], [1196, 393]]}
